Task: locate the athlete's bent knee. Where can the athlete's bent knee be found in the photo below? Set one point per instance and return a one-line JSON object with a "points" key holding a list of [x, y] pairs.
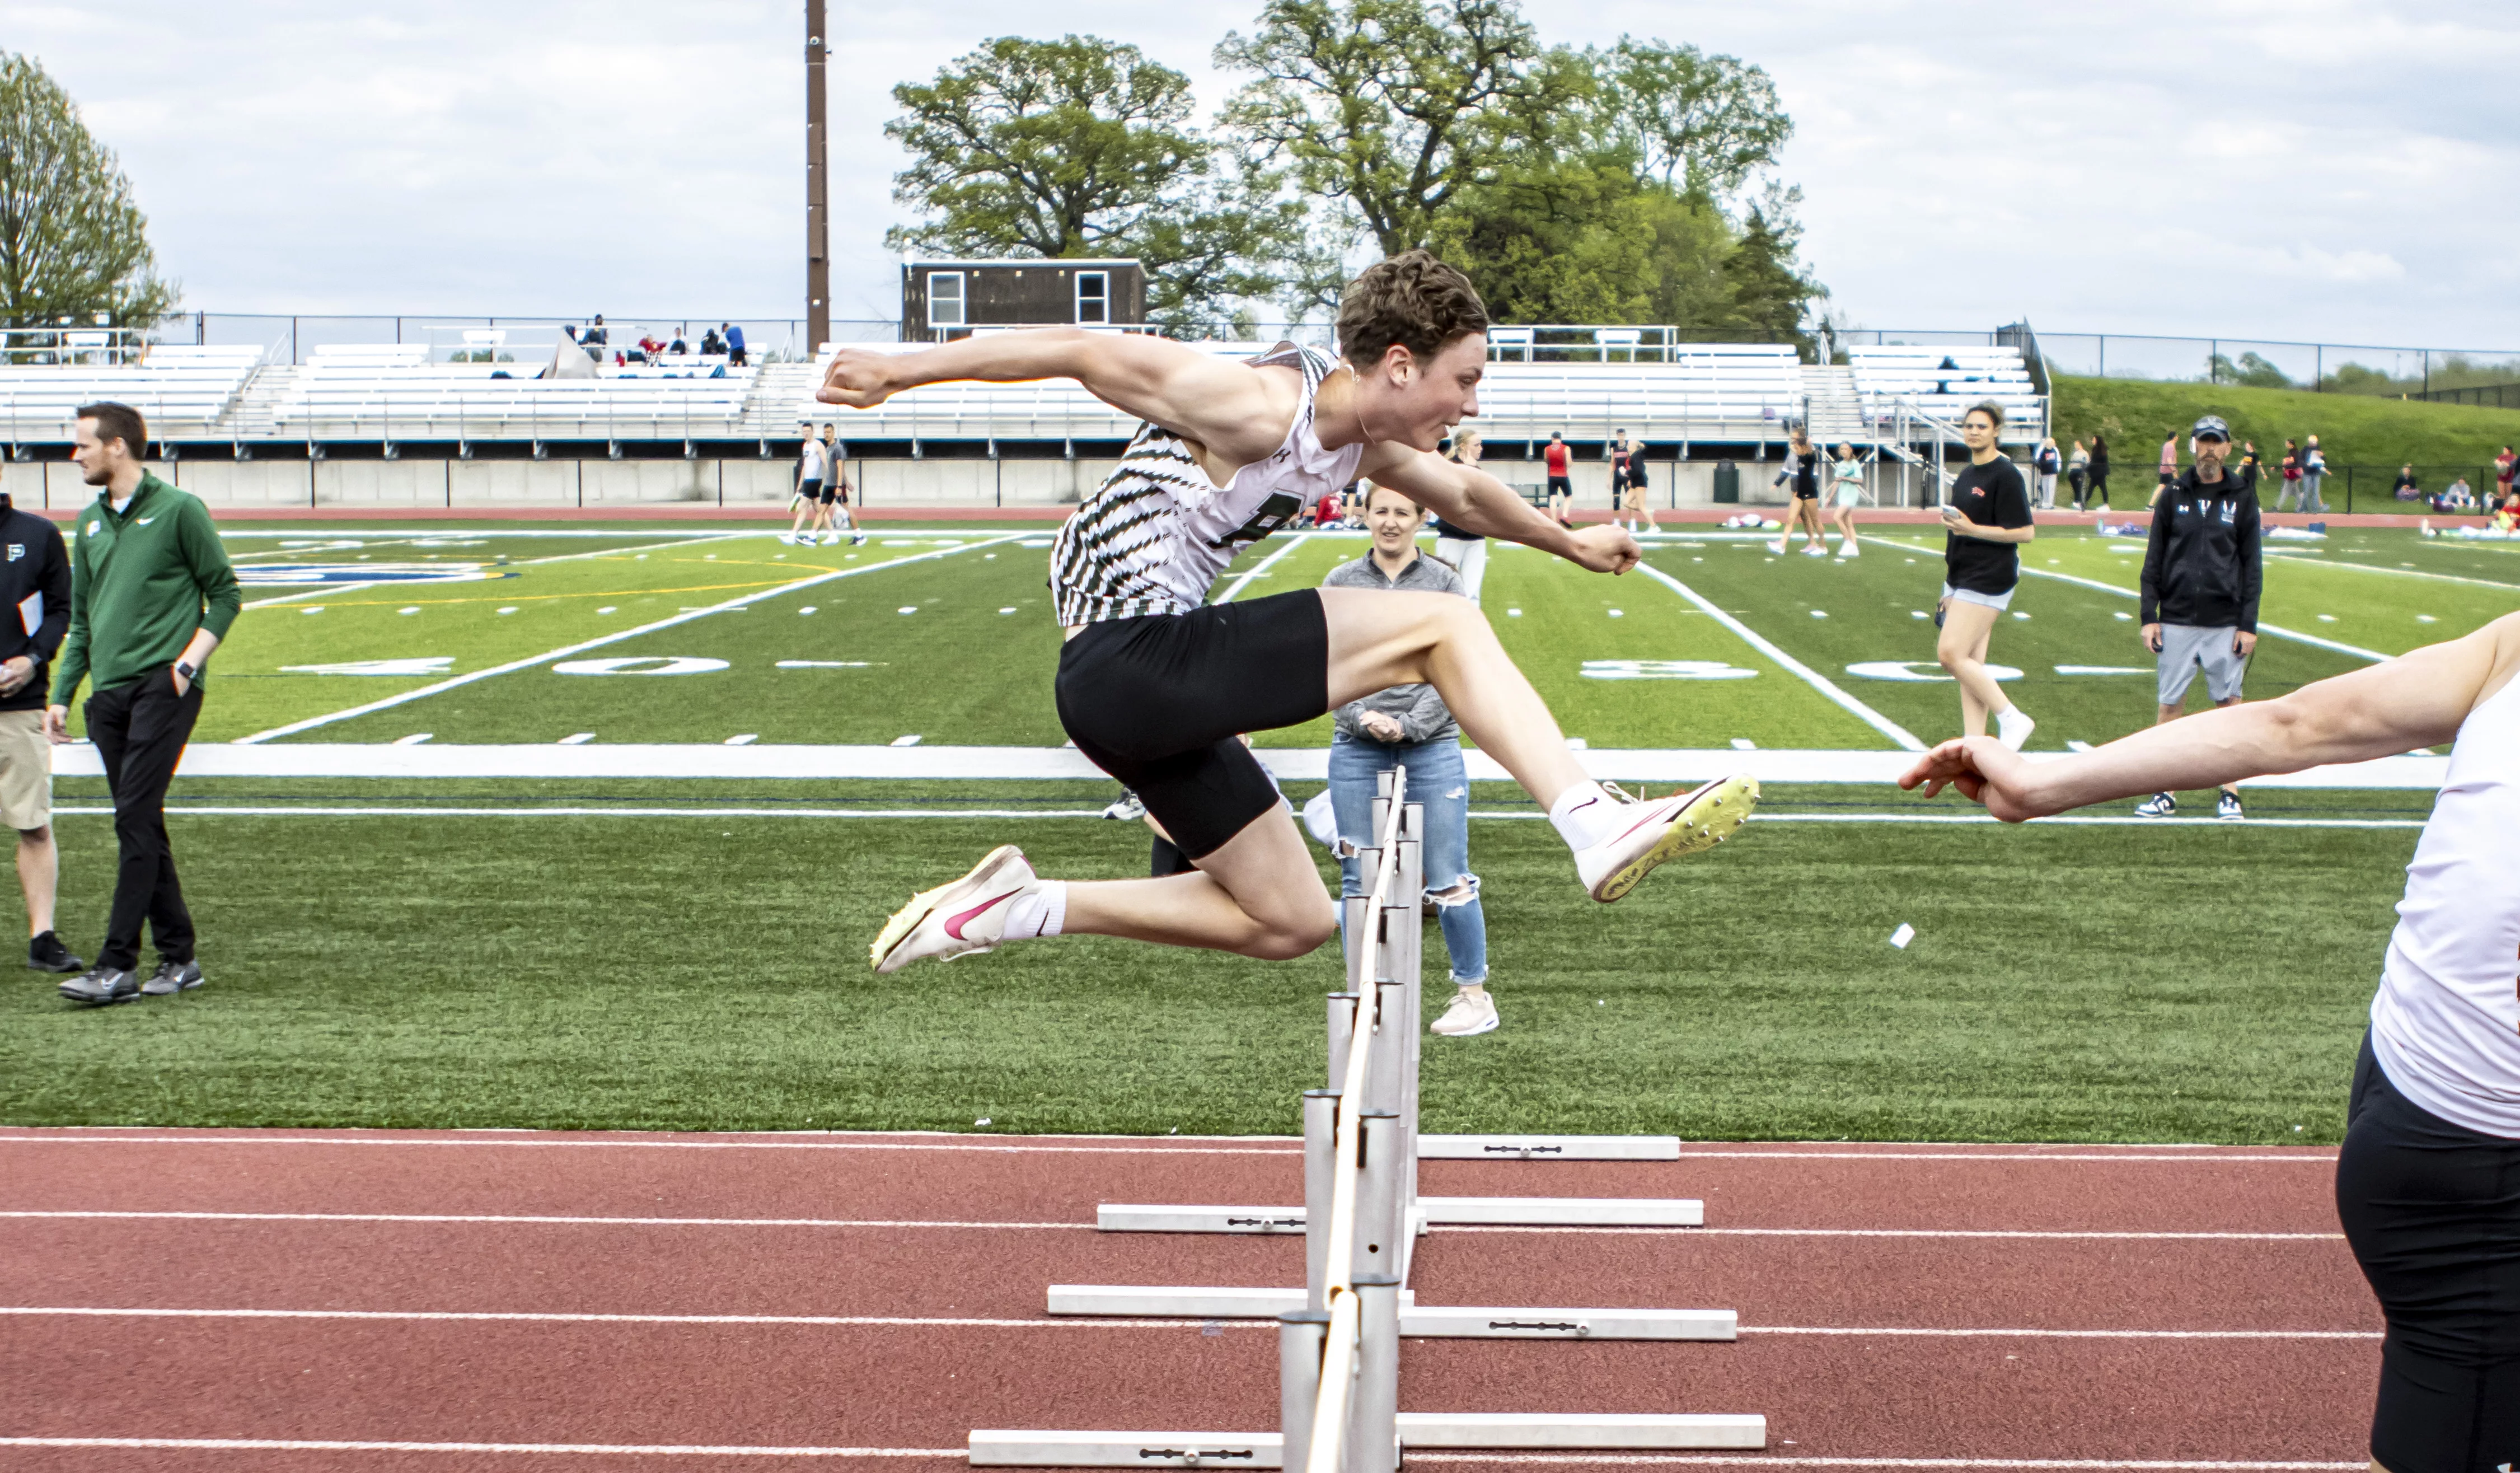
{"points": [[1284, 940]]}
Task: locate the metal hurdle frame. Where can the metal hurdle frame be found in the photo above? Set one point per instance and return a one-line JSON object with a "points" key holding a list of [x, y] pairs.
{"points": [[1339, 1336]]}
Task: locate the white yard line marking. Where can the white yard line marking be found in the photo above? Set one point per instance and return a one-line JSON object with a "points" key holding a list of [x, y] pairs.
{"points": [[565, 651], [606, 1449], [328, 589], [421, 811], [956, 1321], [1815, 679], [949, 1224], [2404, 572], [2278, 630], [1293, 541]]}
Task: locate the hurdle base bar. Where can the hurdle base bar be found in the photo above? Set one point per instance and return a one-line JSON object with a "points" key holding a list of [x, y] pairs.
{"points": [[1417, 1321], [1437, 1211], [1417, 1430], [1549, 1148]]}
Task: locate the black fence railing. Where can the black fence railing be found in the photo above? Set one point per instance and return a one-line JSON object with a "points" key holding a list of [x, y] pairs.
{"points": [[2492, 396]]}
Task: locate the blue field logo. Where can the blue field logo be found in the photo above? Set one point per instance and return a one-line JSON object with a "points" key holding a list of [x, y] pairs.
{"points": [[327, 575]]}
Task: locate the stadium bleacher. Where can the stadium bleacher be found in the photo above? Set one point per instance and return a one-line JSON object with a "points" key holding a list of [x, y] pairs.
{"points": [[186, 390], [1709, 391], [1944, 382], [391, 391]]}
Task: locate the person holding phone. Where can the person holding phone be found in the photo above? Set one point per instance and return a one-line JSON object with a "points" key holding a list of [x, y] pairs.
{"points": [[1985, 522]]}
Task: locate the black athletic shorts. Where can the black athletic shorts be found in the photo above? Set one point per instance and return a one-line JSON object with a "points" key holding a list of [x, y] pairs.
{"points": [[1160, 701], [2432, 1212], [830, 493], [1562, 485], [1803, 492]]}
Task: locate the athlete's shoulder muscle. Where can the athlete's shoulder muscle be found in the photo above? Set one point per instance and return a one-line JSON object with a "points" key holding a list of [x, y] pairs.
{"points": [[1237, 412]]}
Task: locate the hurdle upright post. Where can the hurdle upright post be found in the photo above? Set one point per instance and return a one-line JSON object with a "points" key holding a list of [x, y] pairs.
{"points": [[1300, 1333]]}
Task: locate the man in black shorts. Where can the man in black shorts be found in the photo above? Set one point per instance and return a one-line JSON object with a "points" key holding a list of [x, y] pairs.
{"points": [[1561, 483], [1155, 685]]}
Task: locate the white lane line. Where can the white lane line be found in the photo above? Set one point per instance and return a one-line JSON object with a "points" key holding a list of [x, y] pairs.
{"points": [[1815, 679], [2041, 1234], [1769, 1461], [606, 1450], [945, 1322], [565, 651], [1293, 541], [2278, 630], [499, 1219], [288, 810], [2199, 1154], [529, 1316], [1011, 1148], [854, 1223]]}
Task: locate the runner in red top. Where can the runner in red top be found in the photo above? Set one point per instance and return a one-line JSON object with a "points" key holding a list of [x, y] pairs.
{"points": [[1561, 486]]}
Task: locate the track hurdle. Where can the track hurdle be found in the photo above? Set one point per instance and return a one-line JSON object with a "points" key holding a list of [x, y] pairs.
{"points": [[1339, 1336]]}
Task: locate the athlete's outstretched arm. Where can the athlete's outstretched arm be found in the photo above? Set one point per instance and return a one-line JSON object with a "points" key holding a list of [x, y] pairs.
{"points": [[2415, 701], [1197, 395], [1473, 500]]}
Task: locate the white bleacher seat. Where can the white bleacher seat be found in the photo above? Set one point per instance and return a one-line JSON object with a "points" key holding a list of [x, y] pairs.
{"points": [[181, 388], [1609, 339], [1885, 377], [1504, 341], [392, 391]]}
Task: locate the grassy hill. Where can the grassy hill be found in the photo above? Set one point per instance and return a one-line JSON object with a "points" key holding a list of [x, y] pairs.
{"points": [[2354, 429]]}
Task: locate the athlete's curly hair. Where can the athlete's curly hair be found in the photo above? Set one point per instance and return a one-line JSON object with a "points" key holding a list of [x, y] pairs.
{"points": [[1413, 299]]}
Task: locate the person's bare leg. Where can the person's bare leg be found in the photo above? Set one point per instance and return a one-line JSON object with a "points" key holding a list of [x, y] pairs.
{"points": [[804, 511], [39, 876], [1257, 896], [1379, 640], [1967, 628]]}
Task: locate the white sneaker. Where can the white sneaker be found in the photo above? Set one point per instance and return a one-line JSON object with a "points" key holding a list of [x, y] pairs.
{"points": [[961, 919], [1650, 833], [1471, 1013], [1814, 550], [2014, 728], [1778, 547], [1846, 548]]}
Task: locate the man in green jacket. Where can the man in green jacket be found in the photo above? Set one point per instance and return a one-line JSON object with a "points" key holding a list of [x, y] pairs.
{"points": [[152, 593]]}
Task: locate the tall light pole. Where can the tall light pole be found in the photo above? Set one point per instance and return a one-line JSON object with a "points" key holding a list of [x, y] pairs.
{"points": [[817, 198]]}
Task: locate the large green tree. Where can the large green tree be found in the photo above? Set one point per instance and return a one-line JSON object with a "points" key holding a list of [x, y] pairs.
{"points": [[1083, 147], [1391, 108], [72, 240], [1700, 123]]}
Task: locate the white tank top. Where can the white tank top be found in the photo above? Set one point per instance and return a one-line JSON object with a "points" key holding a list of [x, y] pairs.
{"points": [[2445, 1024], [1158, 533]]}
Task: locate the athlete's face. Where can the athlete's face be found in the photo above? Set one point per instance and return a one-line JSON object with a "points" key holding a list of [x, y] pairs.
{"points": [[1415, 400]]}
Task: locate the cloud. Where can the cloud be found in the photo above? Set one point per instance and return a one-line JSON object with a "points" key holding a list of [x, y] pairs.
{"points": [[2293, 168]]}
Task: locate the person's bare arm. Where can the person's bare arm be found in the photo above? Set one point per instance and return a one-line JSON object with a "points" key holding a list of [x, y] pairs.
{"points": [[2415, 701], [1473, 500], [1223, 403]]}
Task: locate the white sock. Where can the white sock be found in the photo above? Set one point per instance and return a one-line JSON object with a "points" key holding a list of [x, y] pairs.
{"points": [[1039, 911], [1583, 815]]}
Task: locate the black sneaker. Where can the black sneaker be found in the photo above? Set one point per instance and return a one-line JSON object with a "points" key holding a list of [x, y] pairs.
{"points": [[2227, 807], [46, 954], [173, 977], [100, 985]]}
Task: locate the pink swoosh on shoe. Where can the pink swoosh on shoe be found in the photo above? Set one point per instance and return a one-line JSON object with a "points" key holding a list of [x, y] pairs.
{"points": [[954, 925]]}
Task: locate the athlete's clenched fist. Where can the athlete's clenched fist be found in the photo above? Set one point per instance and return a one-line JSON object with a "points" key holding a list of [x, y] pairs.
{"points": [[859, 379]]}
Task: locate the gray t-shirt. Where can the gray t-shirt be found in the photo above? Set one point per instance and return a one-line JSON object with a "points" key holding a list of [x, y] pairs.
{"points": [[1420, 712]]}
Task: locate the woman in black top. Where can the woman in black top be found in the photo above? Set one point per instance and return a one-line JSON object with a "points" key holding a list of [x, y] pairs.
{"points": [[1986, 519], [2100, 472], [1804, 510]]}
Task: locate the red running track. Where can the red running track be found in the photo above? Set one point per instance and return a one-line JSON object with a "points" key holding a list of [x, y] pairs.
{"points": [[195, 1300]]}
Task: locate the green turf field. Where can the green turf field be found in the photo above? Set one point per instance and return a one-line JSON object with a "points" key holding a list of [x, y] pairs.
{"points": [[687, 953]]}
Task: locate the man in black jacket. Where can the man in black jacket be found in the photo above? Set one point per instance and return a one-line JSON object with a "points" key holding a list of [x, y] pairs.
{"points": [[35, 583], [2201, 575]]}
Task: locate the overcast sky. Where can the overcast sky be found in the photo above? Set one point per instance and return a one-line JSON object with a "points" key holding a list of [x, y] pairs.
{"points": [[2334, 169]]}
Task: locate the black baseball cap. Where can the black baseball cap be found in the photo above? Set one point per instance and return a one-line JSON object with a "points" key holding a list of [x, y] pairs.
{"points": [[2211, 427]]}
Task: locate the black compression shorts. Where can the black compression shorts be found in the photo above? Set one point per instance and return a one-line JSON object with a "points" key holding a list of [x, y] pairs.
{"points": [[1160, 701], [1562, 485], [2432, 1212]]}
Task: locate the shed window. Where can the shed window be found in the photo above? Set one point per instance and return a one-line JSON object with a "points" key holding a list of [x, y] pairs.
{"points": [[945, 298], [1093, 297]]}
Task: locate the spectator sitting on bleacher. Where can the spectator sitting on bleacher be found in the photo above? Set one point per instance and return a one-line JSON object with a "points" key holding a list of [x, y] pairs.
{"points": [[2405, 489], [648, 349], [712, 345], [594, 337], [734, 344], [678, 347]]}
